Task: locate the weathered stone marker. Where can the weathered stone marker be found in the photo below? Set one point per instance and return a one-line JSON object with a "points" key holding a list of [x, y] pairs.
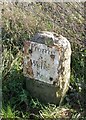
{"points": [[47, 66]]}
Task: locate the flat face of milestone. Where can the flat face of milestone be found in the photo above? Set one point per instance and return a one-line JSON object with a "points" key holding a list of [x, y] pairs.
{"points": [[41, 62]]}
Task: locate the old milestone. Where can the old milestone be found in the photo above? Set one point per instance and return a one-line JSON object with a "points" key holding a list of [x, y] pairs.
{"points": [[47, 66]]}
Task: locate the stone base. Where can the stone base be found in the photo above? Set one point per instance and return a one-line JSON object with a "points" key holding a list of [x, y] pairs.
{"points": [[44, 92]]}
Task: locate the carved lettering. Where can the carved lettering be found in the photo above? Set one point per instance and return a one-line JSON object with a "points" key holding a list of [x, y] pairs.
{"points": [[43, 60], [33, 47]]}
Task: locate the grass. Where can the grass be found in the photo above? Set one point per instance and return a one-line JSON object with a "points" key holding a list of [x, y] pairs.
{"points": [[9, 113], [49, 111], [17, 103]]}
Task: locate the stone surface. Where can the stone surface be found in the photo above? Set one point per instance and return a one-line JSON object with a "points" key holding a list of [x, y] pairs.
{"points": [[47, 66]]}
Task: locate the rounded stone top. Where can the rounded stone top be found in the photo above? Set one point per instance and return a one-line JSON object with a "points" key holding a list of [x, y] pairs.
{"points": [[50, 38]]}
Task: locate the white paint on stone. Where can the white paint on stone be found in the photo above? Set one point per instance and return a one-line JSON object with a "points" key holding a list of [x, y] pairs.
{"points": [[47, 59], [46, 67]]}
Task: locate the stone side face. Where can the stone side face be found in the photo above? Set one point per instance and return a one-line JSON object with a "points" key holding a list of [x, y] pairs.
{"points": [[47, 66]]}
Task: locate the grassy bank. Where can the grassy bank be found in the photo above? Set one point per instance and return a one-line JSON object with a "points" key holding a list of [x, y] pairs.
{"points": [[20, 21]]}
